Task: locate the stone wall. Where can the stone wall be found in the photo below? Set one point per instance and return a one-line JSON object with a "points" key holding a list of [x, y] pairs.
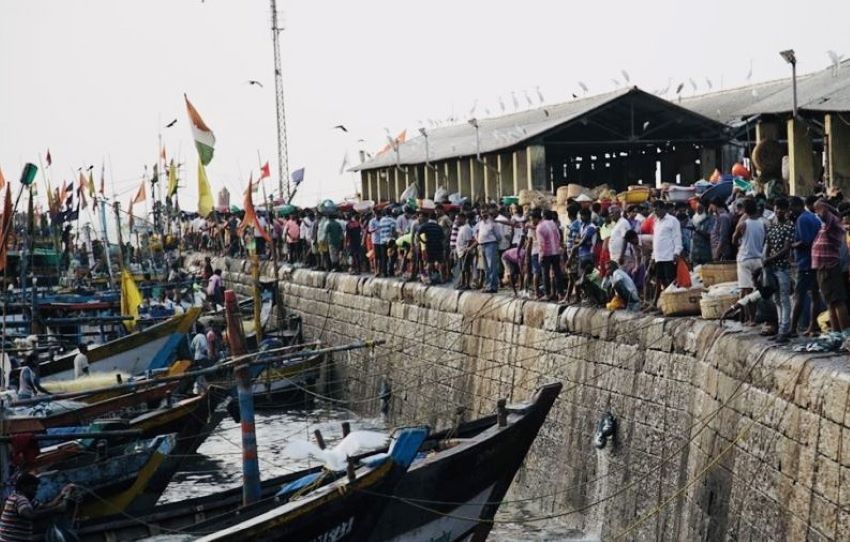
{"points": [[721, 436]]}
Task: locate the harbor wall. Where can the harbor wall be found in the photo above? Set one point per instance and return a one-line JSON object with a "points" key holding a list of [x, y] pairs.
{"points": [[719, 436]]}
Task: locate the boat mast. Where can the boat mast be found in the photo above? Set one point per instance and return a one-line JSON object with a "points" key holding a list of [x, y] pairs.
{"points": [[282, 151]]}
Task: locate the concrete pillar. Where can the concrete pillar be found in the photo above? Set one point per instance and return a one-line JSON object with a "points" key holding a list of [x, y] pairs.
{"points": [[767, 130], [802, 168], [536, 167], [707, 162], [380, 185], [464, 178], [838, 139], [506, 174], [520, 171], [427, 182], [476, 177], [491, 177]]}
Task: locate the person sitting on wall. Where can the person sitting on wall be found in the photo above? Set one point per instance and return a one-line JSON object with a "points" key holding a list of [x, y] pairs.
{"points": [[622, 285], [761, 299]]}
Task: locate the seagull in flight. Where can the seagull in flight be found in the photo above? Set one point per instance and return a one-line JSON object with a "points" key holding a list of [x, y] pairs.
{"points": [[625, 76], [679, 88], [528, 99], [583, 87], [835, 59], [341, 127], [255, 82], [172, 123]]}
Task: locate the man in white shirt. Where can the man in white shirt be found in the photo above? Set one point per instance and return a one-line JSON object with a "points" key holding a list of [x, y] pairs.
{"points": [[199, 347], [666, 246], [81, 361], [464, 244], [618, 235]]}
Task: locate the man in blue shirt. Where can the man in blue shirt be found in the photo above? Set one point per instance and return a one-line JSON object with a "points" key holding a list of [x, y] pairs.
{"points": [[807, 225], [387, 228]]}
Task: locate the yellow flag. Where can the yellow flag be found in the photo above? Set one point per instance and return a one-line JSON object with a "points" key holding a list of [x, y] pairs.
{"points": [[131, 298], [172, 179], [205, 199]]}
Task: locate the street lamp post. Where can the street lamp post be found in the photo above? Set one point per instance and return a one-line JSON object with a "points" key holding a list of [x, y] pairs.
{"points": [[474, 123], [791, 58], [427, 153]]}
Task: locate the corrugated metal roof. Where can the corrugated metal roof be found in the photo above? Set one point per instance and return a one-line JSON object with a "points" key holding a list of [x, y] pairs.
{"points": [[495, 133], [826, 90]]}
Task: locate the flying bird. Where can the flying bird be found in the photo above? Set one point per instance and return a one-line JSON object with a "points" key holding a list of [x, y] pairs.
{"points": [[546, 112], [616, 83], [502, 104], [679, 88], [172, 123], [667, 88], [625, 76], [750, 73], [341, 127], [254, 82], [515, 101], [693, 83], [583, 87], [473, 108], [645, 125], [539, 94], [528, 99], [575, 95], [708, 83]]}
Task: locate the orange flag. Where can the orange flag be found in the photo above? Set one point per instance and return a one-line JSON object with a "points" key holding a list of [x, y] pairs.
{"points": [[81, 191], [399, 139], [250, 218], [2, 180], [141, 195], [5, 225]]}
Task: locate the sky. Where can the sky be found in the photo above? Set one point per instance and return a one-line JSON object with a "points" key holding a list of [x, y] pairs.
{"points": [[96, 81]]}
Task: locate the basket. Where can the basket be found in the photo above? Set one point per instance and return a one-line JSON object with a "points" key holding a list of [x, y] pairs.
{"points": [[573, 191], [633, 196], [712, 308], [717, 273], [685, 303]]}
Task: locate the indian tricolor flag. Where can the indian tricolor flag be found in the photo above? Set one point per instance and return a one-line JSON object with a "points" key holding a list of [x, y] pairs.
{"points": [[204, 138]]}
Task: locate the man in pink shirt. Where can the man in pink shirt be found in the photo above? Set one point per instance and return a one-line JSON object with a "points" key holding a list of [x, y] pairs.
{"points": [[549, 240]]}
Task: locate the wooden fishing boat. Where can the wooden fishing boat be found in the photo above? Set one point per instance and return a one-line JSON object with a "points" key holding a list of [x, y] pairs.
{"points": [[474, 459], [111, 483], [152, 348], [84, 414], [455, 491]]}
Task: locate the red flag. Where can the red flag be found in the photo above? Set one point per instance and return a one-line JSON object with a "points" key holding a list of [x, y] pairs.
{"points": [[48, 159], [265, 172], [5, 225], [250, 218], [141, 195]]}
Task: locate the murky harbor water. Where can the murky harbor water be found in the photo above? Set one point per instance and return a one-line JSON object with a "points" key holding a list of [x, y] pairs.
{"points": [[219, 465]]}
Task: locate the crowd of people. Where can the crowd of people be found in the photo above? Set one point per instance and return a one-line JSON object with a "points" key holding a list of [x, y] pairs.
{"points": [[790, 252]]}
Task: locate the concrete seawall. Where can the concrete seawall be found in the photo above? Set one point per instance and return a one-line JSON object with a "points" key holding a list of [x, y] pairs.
{"points": [[720, 435]]}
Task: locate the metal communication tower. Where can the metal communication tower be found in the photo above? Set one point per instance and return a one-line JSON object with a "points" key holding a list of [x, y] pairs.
{"points": [[282, 151]]}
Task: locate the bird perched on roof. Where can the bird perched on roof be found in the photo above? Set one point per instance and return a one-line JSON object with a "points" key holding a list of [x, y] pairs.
{"points": [[341, 127], [539, 94], [528, 99], [516, 102], [254, 82], [172, 123], [835, 59]]}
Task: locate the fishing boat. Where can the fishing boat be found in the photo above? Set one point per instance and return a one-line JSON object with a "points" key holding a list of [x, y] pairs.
{"points": [[466, 469], [149, 349], [110, 484]]}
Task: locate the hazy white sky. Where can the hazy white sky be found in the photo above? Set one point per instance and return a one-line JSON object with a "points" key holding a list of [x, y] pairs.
{"points": [[95, 81]]}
